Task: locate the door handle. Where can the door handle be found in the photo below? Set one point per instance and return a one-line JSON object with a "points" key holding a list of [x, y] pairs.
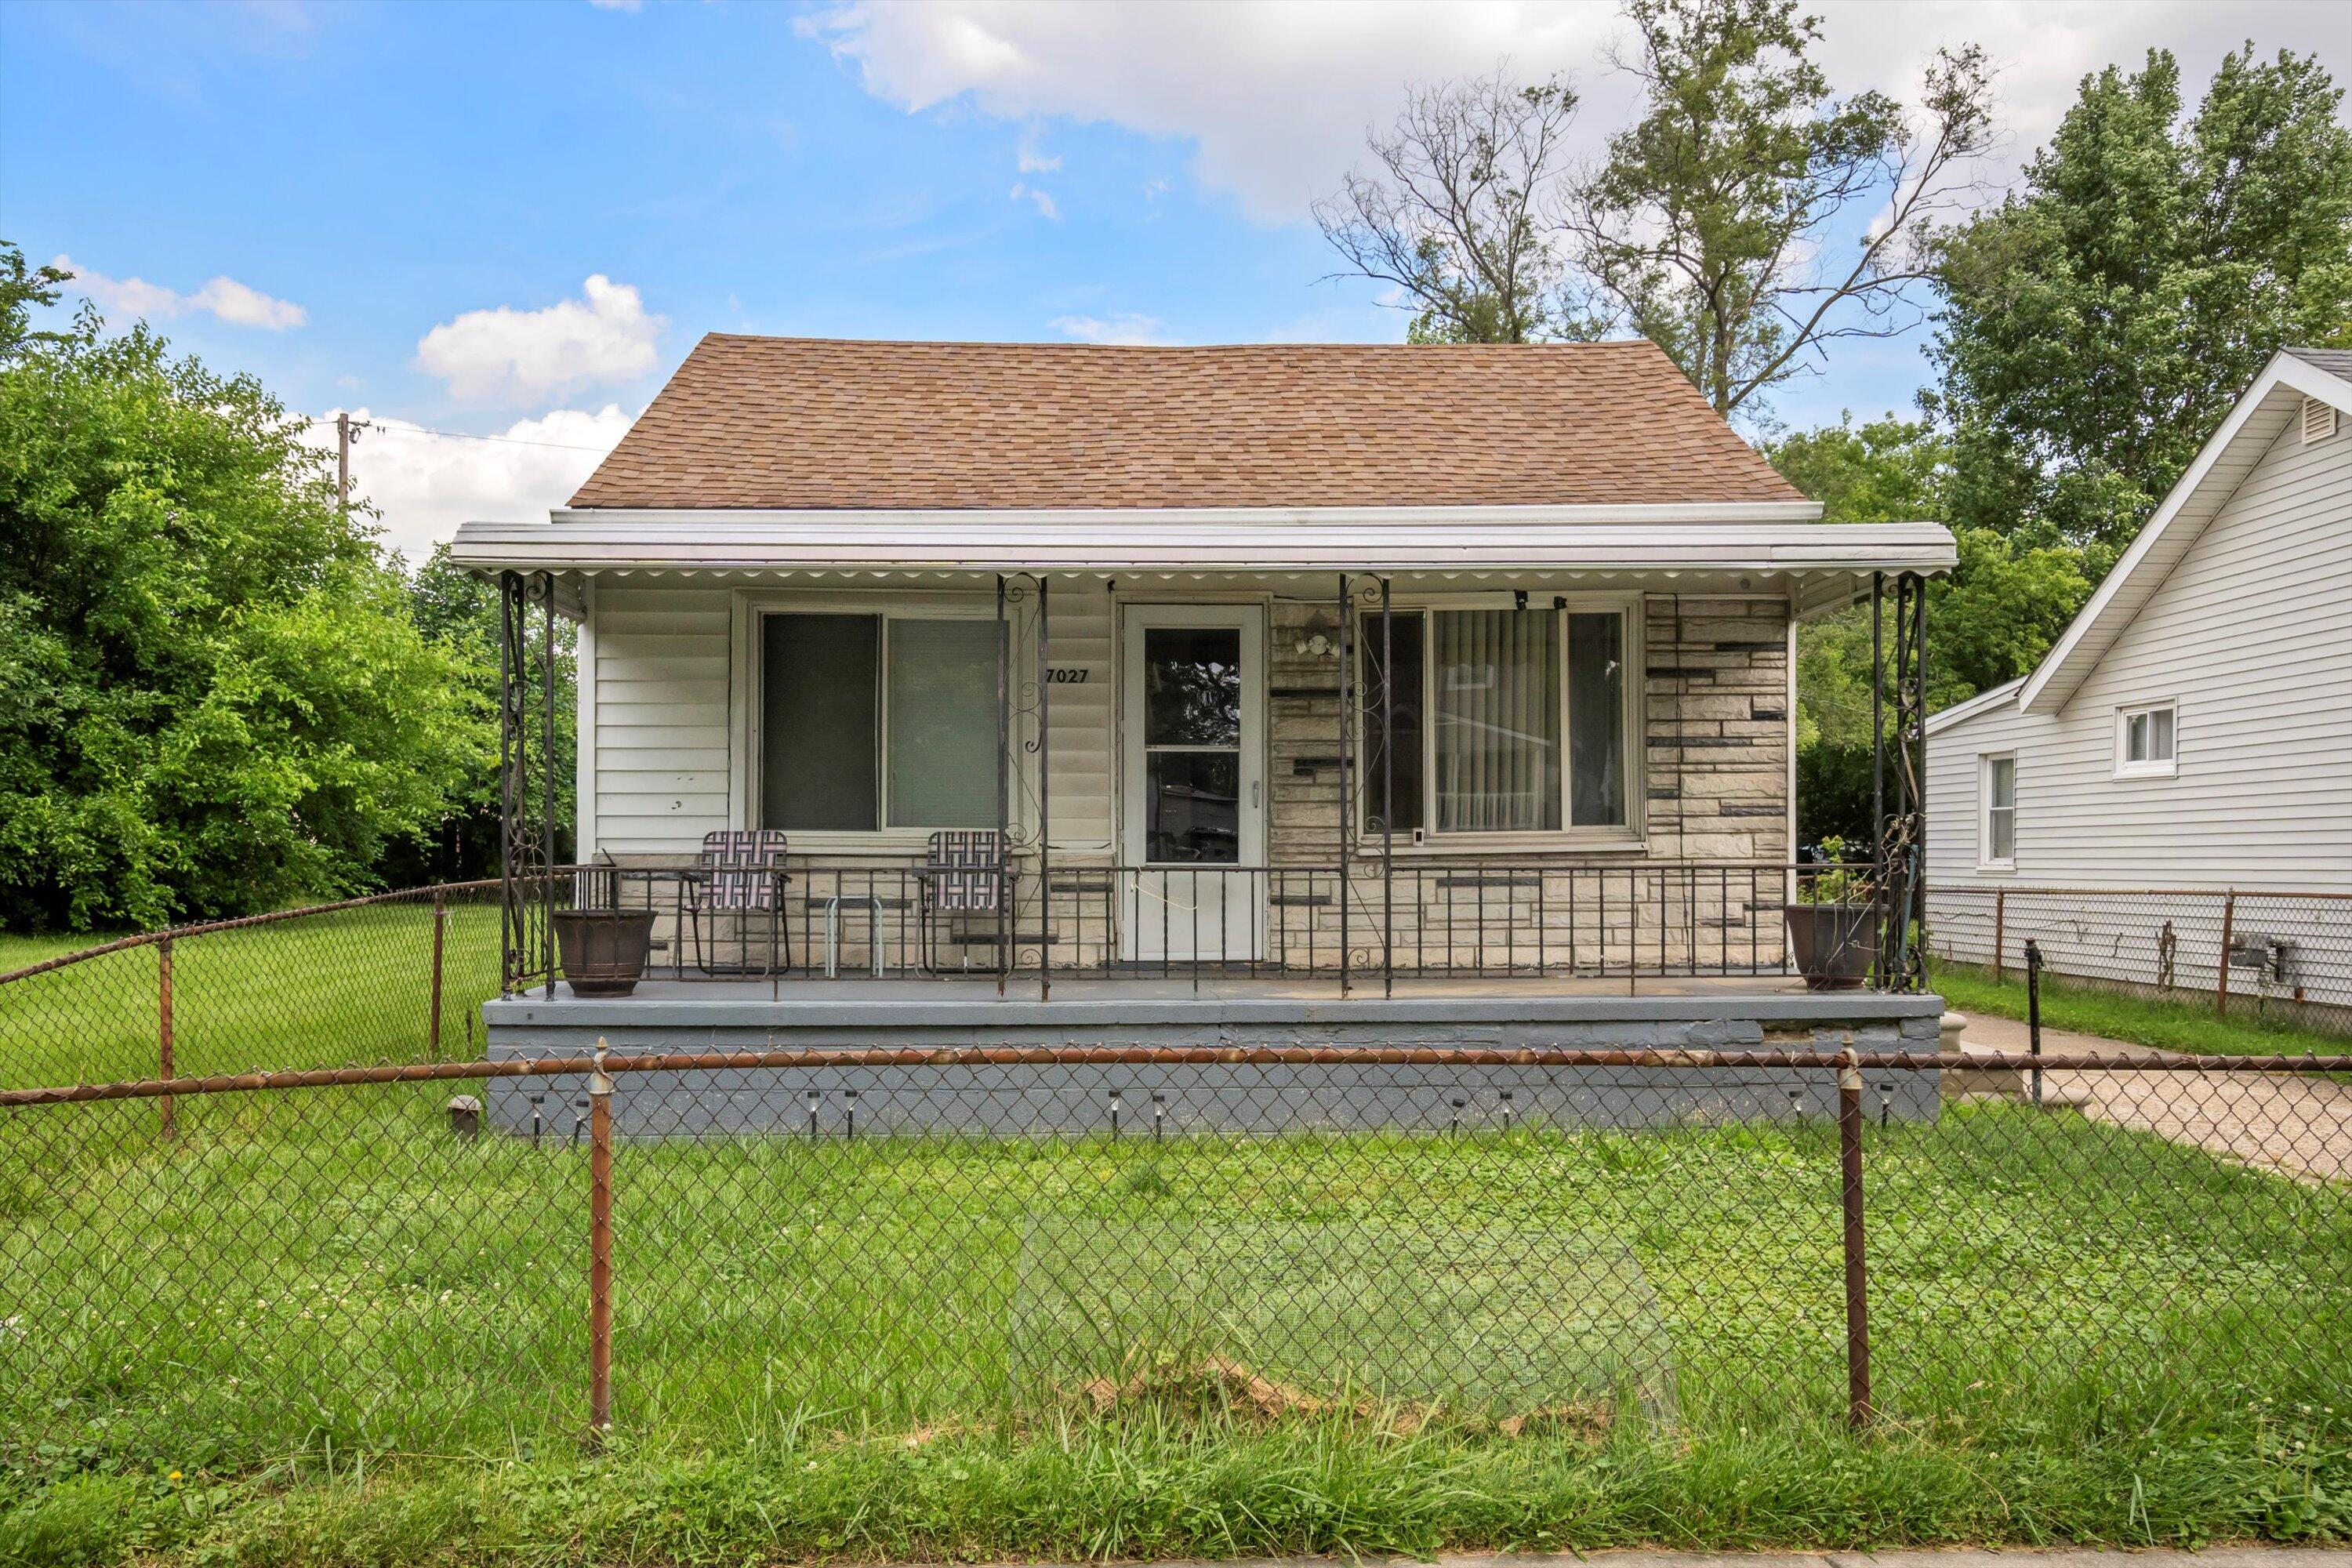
{"points": [[1255, 800]]}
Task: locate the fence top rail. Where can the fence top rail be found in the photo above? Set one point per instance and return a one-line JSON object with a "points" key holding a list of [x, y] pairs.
{"points": [[2141, 893], [1112, 1055], [268, 917]]}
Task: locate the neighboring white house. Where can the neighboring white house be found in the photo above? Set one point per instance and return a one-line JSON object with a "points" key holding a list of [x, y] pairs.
{"points": [[2191, 731]]}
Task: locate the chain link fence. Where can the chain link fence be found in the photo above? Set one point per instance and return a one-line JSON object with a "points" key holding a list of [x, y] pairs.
{"points": [[719, 1251], [395, 977], [2283, 955]]}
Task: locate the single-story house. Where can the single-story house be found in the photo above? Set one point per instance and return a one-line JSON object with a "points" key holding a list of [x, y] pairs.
{"points": [[1226, 677], [2189, 734]]}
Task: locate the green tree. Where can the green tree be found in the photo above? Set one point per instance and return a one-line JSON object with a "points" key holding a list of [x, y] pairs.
{"points": [[213, 696], [2099, 321], [2007, 601], [1749, 217], [458, 611]]}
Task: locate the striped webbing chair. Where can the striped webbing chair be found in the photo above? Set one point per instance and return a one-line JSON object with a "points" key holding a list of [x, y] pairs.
{"points": [[962, 875], [742, 874]]}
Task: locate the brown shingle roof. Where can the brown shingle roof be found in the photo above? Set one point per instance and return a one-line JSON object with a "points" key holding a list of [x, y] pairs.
{"points": [[810, 423]]}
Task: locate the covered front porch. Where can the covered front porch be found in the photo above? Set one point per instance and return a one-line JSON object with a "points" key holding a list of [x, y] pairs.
{"points": [[1113, 779]]}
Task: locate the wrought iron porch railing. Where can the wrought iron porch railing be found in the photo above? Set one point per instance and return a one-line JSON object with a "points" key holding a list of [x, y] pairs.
{"points": [[1352, 924]]}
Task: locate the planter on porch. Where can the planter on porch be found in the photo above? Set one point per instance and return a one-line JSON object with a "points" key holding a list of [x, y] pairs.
{"points": [[604, 950], [1835, 945]]}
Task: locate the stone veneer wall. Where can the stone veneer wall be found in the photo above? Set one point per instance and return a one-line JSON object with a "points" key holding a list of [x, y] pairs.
{"points": [[1717, 732]]}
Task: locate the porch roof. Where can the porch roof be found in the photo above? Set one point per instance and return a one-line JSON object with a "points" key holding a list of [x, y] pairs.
{"points": [[1774, 543]]}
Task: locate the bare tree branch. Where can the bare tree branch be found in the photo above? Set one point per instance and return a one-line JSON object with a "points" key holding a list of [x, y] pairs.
{"points": [[1463, 212]]}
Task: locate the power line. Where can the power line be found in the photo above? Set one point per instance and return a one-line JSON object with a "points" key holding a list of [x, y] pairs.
{"points": [[457, 435]]}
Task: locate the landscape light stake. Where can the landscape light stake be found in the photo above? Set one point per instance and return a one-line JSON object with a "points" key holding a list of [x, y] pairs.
{"points": [[600, 1251], [163, 1042], [1857, 1275], [1158, 1113], [2033, 1010]]}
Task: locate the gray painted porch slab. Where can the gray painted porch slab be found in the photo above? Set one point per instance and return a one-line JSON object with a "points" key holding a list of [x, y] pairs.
{"points": [[675, 1016]]}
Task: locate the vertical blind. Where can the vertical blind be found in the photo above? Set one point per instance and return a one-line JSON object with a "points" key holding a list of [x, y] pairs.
{"points": [[1497, 702]]}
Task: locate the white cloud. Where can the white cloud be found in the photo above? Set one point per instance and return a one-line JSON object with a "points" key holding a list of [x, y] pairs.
{"points": [[224, 296], [1276, 94], [517, 356], [1030, 157], [1044, 203], [619, 4], [1118, 327], [426, 483]]}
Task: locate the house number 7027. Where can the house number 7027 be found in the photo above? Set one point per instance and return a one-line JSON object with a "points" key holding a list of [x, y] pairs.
{"points": [[1073, 677]]}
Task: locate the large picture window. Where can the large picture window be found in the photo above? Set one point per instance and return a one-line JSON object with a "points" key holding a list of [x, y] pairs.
{"points": [[870, 721], [1504, 721]]}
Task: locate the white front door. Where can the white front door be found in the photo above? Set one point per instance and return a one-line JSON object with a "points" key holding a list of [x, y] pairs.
{"points": [[1193, 778]]}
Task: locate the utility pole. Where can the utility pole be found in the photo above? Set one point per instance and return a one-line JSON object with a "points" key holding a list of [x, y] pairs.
{"points": [[342, 464]]}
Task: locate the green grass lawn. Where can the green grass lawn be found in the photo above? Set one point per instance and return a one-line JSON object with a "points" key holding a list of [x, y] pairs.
{"points": [[353, 1338], [2143, 1021], [343, 989], [315, 1327]]}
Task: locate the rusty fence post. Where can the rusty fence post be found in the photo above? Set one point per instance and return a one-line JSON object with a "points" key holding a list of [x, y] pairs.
{"points": [[1857, 1273], [2221, 970], [164, 1043], [600, 1250], [433, 1024], [1999, 930]]}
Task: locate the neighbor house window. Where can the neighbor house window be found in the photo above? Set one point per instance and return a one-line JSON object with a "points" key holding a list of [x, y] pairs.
{"points": [[871, 721], [1504, 720], [1998, 831], [2144, 741]]}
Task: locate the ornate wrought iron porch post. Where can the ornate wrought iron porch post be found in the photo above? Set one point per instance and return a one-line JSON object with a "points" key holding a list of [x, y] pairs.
{"points": [[1388, 799], [546, 586], [1898, 771], [1044, 797], [1004, 792], [511, 739], [1878, 762], [526, 827], [1346, 799]]}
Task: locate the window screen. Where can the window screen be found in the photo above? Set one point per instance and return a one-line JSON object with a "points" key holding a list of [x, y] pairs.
{"points": [[941, 747], [820, 702]]}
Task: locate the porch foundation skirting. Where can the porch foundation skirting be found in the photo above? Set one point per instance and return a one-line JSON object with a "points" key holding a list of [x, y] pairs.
{"points": [[1076, 1099]]}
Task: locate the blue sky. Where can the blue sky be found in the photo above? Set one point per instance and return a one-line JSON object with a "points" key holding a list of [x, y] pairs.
{"points": [[403, 205]]}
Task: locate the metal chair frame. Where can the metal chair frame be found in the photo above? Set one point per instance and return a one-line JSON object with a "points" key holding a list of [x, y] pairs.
{"points": [[741, 872], [963, 874]]}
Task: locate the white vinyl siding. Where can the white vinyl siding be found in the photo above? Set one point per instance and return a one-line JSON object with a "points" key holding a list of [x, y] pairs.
{"points": [[2251, 636], [660, 660], [1084, 791]]}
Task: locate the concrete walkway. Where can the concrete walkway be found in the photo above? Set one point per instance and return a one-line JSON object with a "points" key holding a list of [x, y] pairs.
{"points": [[2299, 1127], [2023, 1557]]}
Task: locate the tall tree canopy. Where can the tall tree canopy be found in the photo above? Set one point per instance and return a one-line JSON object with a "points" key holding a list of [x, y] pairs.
{"points": [[1750, 216], [212, 695], [2099, 321]]}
